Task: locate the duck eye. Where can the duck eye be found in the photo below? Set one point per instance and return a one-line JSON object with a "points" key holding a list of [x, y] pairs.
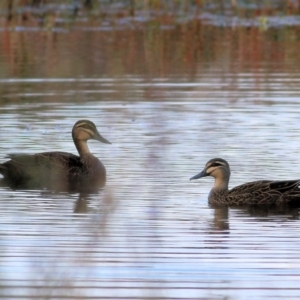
{"points": [[215, 164]]}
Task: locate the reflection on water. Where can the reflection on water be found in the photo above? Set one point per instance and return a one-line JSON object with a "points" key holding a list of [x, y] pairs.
{"points": [[150, 232]]}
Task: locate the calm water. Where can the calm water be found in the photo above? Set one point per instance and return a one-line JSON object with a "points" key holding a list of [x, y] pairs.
{"points": [[150, 233]]}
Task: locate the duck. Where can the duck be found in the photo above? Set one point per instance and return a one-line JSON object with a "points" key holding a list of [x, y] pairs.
{"points": [[59, 170], [251, 193]]}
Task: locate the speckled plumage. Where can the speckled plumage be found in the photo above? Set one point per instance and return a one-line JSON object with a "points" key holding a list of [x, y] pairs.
{"points": [[251, 193], [59, 170]]}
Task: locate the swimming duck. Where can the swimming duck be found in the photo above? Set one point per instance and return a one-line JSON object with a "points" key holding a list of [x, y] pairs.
{"points": [[59, 170], [251, 193]]}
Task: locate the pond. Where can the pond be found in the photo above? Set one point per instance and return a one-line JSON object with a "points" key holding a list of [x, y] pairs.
{"points": [[168, 101]]}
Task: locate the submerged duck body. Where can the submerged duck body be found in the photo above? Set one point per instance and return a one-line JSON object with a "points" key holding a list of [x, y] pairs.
{"points": [[263, 192], [59, 170]]}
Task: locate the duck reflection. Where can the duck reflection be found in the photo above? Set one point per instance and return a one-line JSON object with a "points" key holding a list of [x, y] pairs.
{"points": [[85, 194], [261, 213], [267, 212], [81, 205], [220, 220]]}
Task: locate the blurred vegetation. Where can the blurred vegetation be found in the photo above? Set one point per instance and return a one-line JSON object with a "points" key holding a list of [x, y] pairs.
{"points": [[43, 39], [40, 11]]}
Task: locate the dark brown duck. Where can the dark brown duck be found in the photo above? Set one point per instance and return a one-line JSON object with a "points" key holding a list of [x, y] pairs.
{"points": [[59, 170], [250, 193]]}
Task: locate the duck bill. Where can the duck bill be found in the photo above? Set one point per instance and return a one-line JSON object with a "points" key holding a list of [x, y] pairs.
{"points": [[100, 138], [200, 175]]}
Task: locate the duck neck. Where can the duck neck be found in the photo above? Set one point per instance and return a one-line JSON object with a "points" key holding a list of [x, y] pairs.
{"points": [[221, 184], [82, 147]]}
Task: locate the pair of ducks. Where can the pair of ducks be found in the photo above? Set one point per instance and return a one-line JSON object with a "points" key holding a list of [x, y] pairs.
{"points": [[61, 170]]}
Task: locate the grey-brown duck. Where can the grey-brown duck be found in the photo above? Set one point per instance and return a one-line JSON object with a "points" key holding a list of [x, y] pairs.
{"points": [[251, 193], [59, 170]]}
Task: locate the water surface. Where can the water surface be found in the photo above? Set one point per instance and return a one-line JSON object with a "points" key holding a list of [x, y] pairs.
{"points": [[150, 233]]}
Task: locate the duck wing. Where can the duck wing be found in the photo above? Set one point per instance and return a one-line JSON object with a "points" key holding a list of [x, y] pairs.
{"points": [[39, 168], [285, 186], [42, 160], [265, 192], [250, 187]]}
